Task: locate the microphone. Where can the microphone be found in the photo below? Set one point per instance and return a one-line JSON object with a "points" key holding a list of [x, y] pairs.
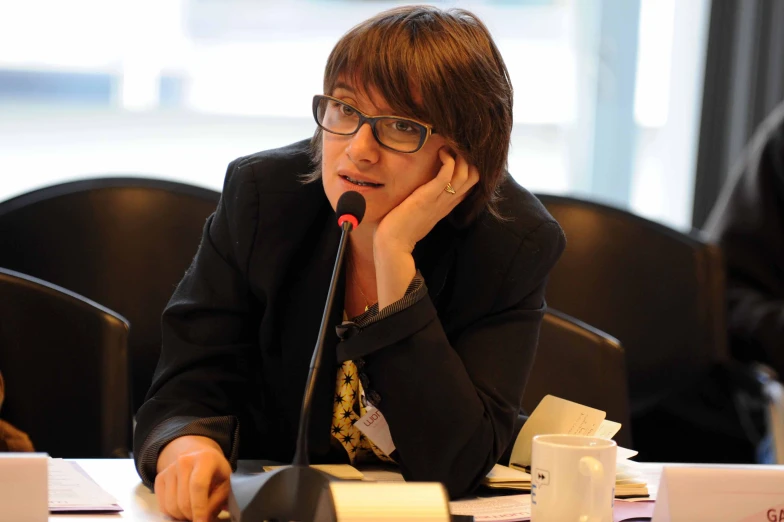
{"points": [[350, 211], [351, 208], [299, 492]]}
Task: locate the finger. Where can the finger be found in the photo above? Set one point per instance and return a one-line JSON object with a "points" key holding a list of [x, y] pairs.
{"points": [[460, 174], [170, 492], [465, 178], [184, 472], [160, 491], [444, 175], [463, 187], [201, 479], [218, 498], [437, 187]]}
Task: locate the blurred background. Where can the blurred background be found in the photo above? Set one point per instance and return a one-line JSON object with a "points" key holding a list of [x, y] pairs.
{"points": [[608, 93], [644, 105]]}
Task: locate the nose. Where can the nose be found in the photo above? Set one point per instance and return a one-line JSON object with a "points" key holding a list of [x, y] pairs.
{"points": [[363, 147]]}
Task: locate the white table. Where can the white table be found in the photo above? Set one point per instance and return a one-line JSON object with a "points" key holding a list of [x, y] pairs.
{"points": [[118, 477]]}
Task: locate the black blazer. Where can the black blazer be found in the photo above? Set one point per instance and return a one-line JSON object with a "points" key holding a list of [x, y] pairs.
{"points": [[239, 331]]}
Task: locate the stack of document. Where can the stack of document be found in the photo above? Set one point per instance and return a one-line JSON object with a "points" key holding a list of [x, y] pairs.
{"points": [[503, 477], [627, 483], [554, 415]]}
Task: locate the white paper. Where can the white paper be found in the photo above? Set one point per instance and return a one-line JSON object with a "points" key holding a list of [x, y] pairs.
{"points": [[554, 415], [607, 429], [506, 508], [647, 473], [625, 454], [71, 489]]}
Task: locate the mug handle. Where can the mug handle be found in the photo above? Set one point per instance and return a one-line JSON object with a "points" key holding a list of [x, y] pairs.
{"points": [[590, 467]]}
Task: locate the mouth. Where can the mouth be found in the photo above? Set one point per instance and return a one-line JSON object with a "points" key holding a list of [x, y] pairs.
{"points": [[361, 183]]}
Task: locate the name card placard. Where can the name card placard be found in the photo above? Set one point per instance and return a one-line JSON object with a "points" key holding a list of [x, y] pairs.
{"points": [[24, 487], [720, 494], [359, 501]]}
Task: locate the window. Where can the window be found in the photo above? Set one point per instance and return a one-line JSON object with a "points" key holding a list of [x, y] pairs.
{"points": [[607, 92]]}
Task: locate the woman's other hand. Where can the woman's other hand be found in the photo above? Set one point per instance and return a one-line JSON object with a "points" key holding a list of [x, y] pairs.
{"points": [[415, 217], [400, 230], [193, 479]]}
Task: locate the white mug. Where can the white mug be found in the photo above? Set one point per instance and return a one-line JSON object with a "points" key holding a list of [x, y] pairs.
{"points": [[572, 479]]}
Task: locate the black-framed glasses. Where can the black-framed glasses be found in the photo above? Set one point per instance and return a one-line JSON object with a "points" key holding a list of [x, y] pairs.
{"points": [[395, 133]]}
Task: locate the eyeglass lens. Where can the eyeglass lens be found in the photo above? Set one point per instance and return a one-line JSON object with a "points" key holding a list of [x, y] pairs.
{"points": [[396, 133]]}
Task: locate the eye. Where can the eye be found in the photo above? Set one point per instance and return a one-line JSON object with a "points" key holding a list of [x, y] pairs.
{"points": [[347, 111], [402, 126]]}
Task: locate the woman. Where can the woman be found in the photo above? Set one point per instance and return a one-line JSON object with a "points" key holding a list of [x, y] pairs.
{"points": [[444, 278]]}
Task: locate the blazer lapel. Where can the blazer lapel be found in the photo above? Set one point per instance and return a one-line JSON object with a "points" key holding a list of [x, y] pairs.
{"points": [[308, 295]]}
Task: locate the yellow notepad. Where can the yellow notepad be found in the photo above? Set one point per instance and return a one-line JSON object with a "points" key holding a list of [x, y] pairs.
{"points": [[503, 477], [341, 471]]}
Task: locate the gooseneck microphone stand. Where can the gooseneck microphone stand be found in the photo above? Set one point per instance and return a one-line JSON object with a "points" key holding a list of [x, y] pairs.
{"points": [[299, 492]]}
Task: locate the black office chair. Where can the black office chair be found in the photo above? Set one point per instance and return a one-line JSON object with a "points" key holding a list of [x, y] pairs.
{"points": [[578, 363], [65, 364], [660, 292], [582, 364], [123, 242]]}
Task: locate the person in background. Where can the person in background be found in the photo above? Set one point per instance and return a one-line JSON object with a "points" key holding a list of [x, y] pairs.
{"points": [[748, 223], [441, 299], [11, 438]]}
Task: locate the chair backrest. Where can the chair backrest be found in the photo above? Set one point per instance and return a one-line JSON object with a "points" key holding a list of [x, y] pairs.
{"points": [[122, 242], [65, 364], [657, 290], [581, 364]]}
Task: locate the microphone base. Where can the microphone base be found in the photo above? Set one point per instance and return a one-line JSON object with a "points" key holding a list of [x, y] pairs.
{"points": [[287, 493]]}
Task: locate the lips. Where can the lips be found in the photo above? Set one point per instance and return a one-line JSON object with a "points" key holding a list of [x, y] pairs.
{"points": [[361, 183]]}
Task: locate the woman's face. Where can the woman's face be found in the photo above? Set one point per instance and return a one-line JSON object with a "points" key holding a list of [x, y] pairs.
{"points": [[395, 175]]}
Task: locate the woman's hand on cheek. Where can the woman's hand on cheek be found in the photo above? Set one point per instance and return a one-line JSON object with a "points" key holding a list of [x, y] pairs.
{"points": [[416, 216]]}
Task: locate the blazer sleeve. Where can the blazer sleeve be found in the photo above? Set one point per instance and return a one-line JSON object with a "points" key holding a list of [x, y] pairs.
{"points": [[748, 223], [451, 404], [207, 331]]}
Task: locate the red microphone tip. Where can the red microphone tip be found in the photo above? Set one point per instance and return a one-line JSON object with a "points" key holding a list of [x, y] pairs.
{"points": [[351, 219]]}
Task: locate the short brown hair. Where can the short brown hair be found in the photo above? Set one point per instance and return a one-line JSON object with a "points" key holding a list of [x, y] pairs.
{"points": [[449, 62]]}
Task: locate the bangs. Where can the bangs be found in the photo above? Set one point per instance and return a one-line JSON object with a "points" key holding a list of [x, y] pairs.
{"points": [[365, 76], [402, 68]]}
